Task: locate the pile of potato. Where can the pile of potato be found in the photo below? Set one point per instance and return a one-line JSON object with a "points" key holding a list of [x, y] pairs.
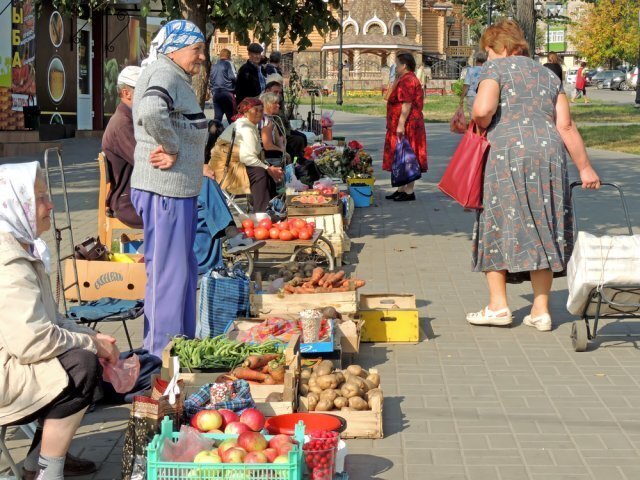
{"points": [[345, 390]]}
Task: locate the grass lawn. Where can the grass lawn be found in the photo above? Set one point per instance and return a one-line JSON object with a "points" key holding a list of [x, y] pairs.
{"points": [[437, 108], [605, 113], [615, 138]]}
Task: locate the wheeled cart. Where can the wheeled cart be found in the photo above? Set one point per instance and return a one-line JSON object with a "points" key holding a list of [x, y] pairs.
{"points": [[615, 300]]}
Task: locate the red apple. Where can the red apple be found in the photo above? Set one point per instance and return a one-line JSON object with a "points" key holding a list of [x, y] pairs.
{"points": [[227, 417], [271, 454], [252, 441], [279, 439], [226, 445], [253, 418], [284, 448], [206, 420], [256, 457], [234, 455], [236, 428]]}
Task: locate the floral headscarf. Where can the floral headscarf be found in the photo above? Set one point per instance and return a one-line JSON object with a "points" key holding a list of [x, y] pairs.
{"points": [[18, 207]]}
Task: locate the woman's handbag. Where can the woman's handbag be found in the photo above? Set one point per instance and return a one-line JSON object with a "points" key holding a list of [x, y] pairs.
{"points": [[405, 168], [229, 171], [458, 123], [464, 177], [91, 249]]}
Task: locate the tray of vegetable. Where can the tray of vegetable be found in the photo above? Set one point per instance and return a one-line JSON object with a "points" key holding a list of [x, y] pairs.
{"points": [[353, 394]]}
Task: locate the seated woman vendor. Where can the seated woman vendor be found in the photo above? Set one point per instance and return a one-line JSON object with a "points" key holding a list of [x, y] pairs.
{"points": [[272, 131], [262, 176], [50, 371]]}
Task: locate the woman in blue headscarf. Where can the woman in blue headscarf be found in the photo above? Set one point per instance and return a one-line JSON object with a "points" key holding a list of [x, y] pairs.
{"points": [[171, 131]]}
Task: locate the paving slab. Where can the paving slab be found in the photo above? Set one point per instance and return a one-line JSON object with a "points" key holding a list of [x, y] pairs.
{"points": [[467, 402]]}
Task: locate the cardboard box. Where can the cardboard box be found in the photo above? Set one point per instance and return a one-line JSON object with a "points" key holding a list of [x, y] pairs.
{"points": [[389, 318], [97, 280], [350, 333], [271, 400]]}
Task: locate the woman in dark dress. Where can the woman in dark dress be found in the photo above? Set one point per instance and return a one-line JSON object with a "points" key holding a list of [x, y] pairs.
{"points": [[553, 64], [525, 230], [405, 118]]}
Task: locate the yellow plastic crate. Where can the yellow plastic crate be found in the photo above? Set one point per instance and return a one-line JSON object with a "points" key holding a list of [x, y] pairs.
{"points": [[389, 318]]}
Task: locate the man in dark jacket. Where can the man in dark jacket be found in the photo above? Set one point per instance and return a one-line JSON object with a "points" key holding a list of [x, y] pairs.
{"points": [[274, 64], [250, 82], [118, 145], [222, 83]]}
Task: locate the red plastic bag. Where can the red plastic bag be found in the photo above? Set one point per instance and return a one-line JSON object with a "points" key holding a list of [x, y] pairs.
{"points": [[458, 123], [123, 375]]}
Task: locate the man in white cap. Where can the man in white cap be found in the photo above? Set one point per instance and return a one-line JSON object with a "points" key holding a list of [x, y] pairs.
{"points": [[118, 145]]}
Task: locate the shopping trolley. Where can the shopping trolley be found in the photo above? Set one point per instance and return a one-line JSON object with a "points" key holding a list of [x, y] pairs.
{"points": [[606, 300]]}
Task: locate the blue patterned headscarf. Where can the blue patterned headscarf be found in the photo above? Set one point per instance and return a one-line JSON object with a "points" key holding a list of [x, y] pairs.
{"points": [[173, 36]]}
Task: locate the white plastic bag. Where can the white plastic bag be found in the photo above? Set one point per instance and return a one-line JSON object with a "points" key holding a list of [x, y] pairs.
{"points": [[606, 260]]}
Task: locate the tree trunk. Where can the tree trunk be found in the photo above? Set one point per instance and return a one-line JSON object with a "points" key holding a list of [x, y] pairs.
{"points": [[196, 11], [527, 20]]}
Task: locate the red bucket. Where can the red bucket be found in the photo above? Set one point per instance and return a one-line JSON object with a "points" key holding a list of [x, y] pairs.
{"points": [[285, 424]]}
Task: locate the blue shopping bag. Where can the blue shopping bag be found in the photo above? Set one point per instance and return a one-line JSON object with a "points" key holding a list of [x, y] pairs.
{"points": [[224, 297], [405, 168]]}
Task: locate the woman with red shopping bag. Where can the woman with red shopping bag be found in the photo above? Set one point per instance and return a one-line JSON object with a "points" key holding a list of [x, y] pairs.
{"points": [[405, 120], [525, 229]]}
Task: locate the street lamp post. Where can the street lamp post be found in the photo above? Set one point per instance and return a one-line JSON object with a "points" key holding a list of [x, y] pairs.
{"points": [[339, 86], [551, 15], [637, 103]]}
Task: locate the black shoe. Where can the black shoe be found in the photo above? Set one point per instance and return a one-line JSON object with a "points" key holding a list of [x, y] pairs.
{"points": [[405, 197], [394, 195]]}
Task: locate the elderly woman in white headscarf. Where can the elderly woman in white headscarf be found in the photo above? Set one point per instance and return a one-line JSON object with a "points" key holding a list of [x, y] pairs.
{"points": [[50, 370], [171, 132]]}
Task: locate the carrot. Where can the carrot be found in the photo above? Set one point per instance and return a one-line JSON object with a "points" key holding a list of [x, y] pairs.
{"points": [[328, 279], [338, 277], [259, 361], [247, 374], [305, 289], [289, 288], [317, 274], [345, 283], [360, 283], [341, 289]]}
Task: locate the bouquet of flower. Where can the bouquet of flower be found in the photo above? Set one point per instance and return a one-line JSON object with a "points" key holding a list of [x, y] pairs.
{"points": [[331, 164], [358, 162]]}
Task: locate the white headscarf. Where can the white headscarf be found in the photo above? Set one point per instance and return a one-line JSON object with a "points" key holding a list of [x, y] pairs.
{"points": [[18, 207]]}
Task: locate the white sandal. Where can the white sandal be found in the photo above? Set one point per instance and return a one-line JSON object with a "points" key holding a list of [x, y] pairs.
{"points": [[485, 316]]}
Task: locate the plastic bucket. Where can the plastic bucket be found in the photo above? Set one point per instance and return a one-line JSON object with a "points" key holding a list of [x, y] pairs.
{"points": [[361, 195]]}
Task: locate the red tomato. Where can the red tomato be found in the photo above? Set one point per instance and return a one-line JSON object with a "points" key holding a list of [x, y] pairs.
{"points": [[304, 235], [311, 224], [247, 224], [266, 223], [274, 233], [249, 233], [299, 223], [286, 235], [294, 232], [261, 233], [282, 225]]}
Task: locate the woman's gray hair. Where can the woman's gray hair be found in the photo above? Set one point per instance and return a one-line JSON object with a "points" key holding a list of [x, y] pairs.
{"points": [[270, 98]]}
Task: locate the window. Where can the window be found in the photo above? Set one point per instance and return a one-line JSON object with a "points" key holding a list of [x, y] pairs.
{"points": [[556, 36], [349, 29], [374, 29], [223, 40], [397, 30]]}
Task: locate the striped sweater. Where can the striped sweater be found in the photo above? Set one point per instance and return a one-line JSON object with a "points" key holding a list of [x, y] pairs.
{"points": [[166, 112]]}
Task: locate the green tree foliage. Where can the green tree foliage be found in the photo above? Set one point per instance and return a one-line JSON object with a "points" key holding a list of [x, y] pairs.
{"points": [[477, 11], [607, 31]]}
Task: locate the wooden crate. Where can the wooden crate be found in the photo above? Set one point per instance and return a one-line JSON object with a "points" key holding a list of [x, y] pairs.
{"points": [[333, 230], [271, 400], [273, 304], [364, 424]]}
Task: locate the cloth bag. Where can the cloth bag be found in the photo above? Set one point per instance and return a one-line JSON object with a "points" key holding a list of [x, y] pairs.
{"points": [[458, 123], [224, 297], [236, 181], [405, 167], [601, 262], [147, 412], [201, 400], [463, 179]]}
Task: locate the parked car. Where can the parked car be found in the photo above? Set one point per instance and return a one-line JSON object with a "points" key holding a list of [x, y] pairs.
{"points": [[618, 82], [632, 77], [599, 78], [571, 75]]}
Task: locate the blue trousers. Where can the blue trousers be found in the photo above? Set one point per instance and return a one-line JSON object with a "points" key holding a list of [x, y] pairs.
{"points": [[171, 266]]}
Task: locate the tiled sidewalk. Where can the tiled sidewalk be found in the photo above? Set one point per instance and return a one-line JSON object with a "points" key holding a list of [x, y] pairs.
{"points": [[468, 403]]}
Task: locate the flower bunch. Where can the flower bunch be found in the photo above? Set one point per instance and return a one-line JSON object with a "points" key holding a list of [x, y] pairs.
{"points": [[331, 164]]}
